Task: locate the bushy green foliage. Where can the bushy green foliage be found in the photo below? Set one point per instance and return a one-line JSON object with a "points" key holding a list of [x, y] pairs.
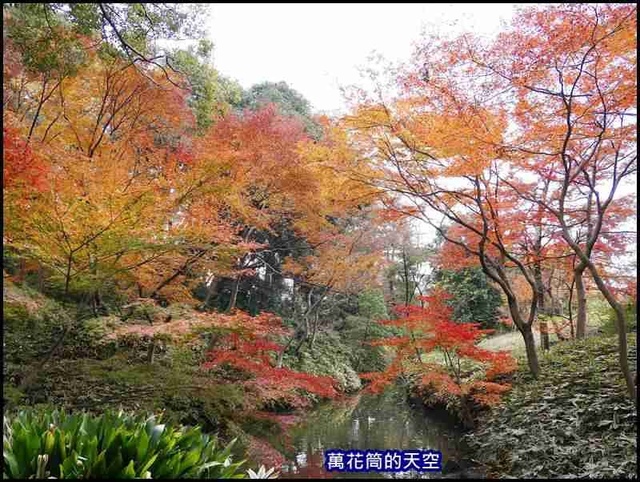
{"points": [[289, 101], [30, 336], [112, 445], [127, 29], [371, 305], [344, 352], [212, 94], [357, 332], [608, 326], [36, 31], [330, 356], [574, 421], [473, 300]]}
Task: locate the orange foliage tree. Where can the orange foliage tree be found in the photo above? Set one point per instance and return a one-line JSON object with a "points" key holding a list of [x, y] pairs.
{"points": [[107, 193], [565, 78], [513, 138]]}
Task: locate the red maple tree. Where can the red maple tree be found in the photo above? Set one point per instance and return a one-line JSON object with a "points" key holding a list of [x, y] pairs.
{"points": [[428, 329]]}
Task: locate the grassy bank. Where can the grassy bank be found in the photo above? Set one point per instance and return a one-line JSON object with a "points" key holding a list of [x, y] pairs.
{"points": [[573, 421]]}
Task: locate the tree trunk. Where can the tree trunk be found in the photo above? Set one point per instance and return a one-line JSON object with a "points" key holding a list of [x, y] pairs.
{"points": [[527, 335], [234, 294], [283, 351], [514, 311], [581, 295], [530, 346], [314, 332], [621, 327], [570, 308], [150, 352], [212, 288], [542, 306], [407, 295], [67, 277], [303, 337], [40, 278], [96, 302], [556, 310]]}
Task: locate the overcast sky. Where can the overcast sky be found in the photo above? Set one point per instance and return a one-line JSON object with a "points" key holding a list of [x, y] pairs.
{"points": [[316, 48]]}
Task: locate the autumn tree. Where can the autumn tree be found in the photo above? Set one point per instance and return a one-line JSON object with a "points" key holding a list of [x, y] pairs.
{"points": [[428, 329], [527, 123], [446, 176], [106, 166], [406, 270], [241, 348], [568, 74], [289, 102]]}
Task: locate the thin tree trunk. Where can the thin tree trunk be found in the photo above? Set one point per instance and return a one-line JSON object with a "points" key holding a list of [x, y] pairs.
{"points": [[37, 114], [40, 278], [542, 305], [150, 352], [311, 306], [527, 335], [581, 295], [514, 310], [570, 308], [303, 337], [314, 332], [530, 346], [407, 295], [617, 308], [234, 294], [212, 288], [556, 310], [67, 277], [621, 326], [283, 351]]}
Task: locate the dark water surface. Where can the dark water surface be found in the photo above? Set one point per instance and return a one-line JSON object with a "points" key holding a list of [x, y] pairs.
{"points": [[375, 422]]}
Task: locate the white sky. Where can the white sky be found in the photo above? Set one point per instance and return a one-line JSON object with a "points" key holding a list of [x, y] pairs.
{"points": [[316, 48]]}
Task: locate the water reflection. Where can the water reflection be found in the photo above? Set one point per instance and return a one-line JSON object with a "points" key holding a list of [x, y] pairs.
{"points": [[367, 421]]}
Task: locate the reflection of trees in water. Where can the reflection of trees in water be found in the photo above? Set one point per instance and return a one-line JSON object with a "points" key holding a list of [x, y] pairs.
{"points": [[384, 421]]}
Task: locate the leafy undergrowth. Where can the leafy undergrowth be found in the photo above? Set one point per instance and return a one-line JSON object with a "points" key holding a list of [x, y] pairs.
{"points": [[329, 357], [57, 445], [574, 421], [103, 364]]}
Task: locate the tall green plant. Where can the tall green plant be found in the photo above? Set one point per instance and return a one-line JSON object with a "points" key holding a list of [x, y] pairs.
{"points": [[112, 445]]}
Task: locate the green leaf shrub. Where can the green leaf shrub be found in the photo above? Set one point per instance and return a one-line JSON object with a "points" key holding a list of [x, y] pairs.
{"points": [[53, 443]]}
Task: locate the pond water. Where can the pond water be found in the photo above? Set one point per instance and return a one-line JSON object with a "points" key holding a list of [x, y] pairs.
{"points": [[375, 422]]}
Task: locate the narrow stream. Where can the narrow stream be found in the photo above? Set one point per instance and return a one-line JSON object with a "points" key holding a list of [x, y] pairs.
{"points": [[375, 422]]}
